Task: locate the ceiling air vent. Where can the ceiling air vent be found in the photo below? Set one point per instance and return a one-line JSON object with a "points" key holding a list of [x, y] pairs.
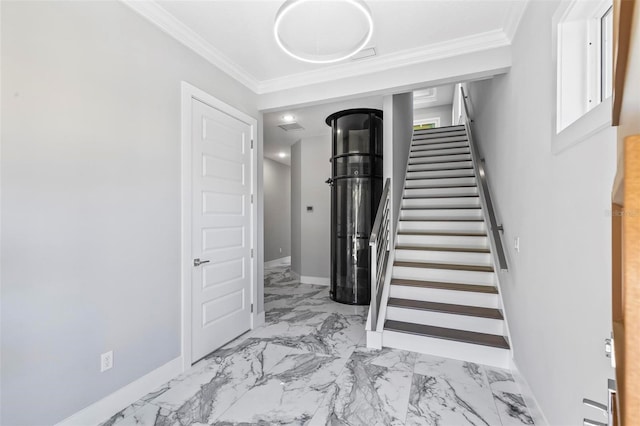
{"points": [[291, 127], [364, 53]]}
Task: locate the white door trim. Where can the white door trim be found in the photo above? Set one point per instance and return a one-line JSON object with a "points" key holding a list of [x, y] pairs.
{"points": [[188, 93]]}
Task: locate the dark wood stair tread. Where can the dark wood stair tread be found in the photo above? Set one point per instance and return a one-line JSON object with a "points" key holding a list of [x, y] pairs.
{"points": [[447, 308], [418, 197], [417, 219], [444, 233], [466, 146], [472, 175], [436, 248], [472, 337], [445, 286], [440, 155], [453, 185], [450, 266], [440, 208], [440, 162]]}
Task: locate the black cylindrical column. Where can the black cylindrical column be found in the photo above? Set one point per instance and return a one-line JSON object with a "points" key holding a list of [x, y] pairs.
{"points": [[356, 188]]}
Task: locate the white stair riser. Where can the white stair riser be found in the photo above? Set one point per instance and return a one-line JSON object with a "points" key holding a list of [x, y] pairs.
{"points": [[439, 166], [445, 145], [444, 151], [480, 354], [449, 257], [455, 297], [442, 214], [446, 320], [443, 226], [443, 241], [440, 159], [439, 174], [444, 275], [442, 203], [434, 132], [430, 192], [440, 182], [422, 140]]}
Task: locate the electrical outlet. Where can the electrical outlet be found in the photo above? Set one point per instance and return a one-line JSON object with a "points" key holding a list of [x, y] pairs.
{"points": [[516, 244], [106, 361], [281, 250]]}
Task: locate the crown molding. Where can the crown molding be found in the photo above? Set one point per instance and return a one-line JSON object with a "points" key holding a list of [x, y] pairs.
{"points": [[446, 49], [513, 18], [185, 35]]}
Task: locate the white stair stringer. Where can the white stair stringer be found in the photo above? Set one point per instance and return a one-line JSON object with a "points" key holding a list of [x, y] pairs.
{"points": [[442, 296]]}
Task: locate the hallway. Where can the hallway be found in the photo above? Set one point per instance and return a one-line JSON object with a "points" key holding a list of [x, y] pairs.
{"points": [[309, 365]]}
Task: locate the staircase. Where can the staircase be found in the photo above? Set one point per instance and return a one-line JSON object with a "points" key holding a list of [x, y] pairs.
{"points": [[443, 298]]}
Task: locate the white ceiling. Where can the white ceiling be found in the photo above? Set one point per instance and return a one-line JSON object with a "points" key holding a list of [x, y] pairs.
{"points": [[311, 118], [238, 34], [442, 95]]}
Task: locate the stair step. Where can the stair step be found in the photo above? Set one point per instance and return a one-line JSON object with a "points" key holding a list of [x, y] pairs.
{"points": [[441, 202], [446, 192], [446, 286], [475, 241], [440, 182], [448, 334], [439, 152], [472, 311], [439, 146], [473, 268], [421, 140], [441, 214], [438, 159], [448, 226], [447, 165], [437, 290], [436, 173], [443, 129], [446, 256], [437, 248]]}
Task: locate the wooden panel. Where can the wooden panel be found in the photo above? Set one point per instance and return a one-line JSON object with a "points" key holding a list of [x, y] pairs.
{"points": [[622, 23], [628, 330]]}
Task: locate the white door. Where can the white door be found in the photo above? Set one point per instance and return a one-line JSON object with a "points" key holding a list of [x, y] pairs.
{"points": [[221, 227]]}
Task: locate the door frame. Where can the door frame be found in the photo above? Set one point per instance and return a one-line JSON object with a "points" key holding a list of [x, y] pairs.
{"points": [[188, 94]]}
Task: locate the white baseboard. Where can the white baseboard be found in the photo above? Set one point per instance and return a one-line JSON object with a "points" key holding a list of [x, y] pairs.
{"points": [[528, 396], [304, 279], [260, 320], [103, 409], [277, 262]]}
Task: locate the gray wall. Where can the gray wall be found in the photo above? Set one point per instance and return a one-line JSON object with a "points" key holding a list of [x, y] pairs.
{"points": [[557, 291], [443, 112], [316, 225], [311, 234], [90, 200], [277, 210], [296, 210], [398, 131]]}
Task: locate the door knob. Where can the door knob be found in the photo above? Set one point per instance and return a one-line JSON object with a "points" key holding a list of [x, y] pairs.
{"points": [[198, 262]]}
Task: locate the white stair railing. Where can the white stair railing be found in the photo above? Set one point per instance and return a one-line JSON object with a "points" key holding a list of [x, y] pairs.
{"points": [[380, 245]]}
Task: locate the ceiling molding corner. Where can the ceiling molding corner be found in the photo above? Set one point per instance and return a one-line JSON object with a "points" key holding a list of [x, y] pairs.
{"points": [[436, 51], [513, 18], [168, 23]]}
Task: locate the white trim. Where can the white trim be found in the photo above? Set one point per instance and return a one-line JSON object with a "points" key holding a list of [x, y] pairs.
{"points": [[168, 23], [432, 52], [185, 35], [513, 18], [189, 92], [260, 320], [591, 123], [278, 262], [529, 398], [304, 279], [105, 408]]}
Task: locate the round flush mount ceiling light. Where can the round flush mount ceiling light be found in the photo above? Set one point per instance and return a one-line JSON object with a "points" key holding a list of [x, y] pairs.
{"points": [[323, 32]]}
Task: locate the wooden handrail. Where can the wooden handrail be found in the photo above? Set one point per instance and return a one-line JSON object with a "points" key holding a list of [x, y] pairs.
{"points": [[622, 23]]}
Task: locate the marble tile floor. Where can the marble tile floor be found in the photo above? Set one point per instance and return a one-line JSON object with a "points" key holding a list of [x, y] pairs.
{"points": [[309, 366]]}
